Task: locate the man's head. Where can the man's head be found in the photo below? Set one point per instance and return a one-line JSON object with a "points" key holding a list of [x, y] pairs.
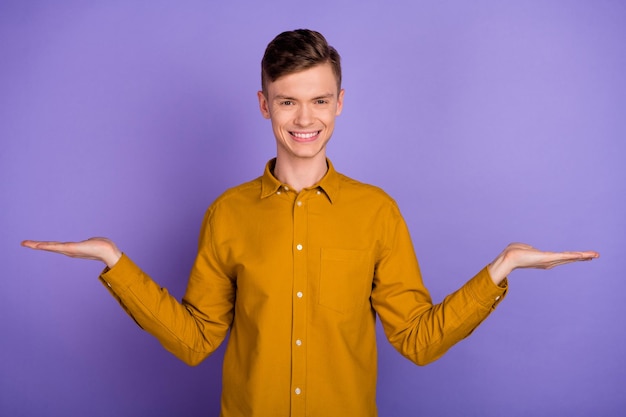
{"points": [[295, 51], [301, 94]]}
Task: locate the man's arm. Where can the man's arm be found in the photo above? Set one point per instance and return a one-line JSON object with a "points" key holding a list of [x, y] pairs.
{"points": [[423, 331], [191, 330]]}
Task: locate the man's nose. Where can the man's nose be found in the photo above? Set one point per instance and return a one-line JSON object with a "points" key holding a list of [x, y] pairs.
{"points": [[304, 116]]}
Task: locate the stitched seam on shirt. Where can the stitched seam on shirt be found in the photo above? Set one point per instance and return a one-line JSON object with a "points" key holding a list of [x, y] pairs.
{"points": [[212, 237]]}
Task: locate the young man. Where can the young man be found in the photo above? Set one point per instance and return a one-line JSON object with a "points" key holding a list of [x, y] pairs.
{"points": [[298, 262]]}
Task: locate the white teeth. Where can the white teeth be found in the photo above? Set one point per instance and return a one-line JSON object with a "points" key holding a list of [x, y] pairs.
{"points": [[304, 135]]}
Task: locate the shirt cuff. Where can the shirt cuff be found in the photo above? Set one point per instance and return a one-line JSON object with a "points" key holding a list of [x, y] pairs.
{"points": [[122, 275], [485, 291], [118, 280]]}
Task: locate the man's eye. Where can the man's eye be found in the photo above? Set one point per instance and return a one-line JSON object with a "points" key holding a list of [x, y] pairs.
{"points": [[286, 103], [322, 101]]}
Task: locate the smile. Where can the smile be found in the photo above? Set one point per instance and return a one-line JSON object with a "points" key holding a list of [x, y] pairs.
{"points": [[305, 136]]}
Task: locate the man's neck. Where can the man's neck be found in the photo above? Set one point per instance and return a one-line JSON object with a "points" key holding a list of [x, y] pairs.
{"points": [[300, 173]]}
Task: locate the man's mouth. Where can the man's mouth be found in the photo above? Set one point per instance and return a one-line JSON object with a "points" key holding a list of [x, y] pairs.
{"points": [[305, 136]]}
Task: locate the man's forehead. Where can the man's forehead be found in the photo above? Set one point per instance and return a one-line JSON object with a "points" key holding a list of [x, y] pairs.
{"points": [[316, 81]]}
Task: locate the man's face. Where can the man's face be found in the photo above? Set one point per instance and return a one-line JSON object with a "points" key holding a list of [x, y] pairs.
{"points": [[302, 107]]}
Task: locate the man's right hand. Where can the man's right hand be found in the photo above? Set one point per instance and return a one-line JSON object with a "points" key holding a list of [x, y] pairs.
{"points": [[97, 248]]}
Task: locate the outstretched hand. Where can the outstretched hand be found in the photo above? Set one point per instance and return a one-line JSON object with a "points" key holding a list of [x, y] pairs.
{"points": [[520, 255], [96, 248]]}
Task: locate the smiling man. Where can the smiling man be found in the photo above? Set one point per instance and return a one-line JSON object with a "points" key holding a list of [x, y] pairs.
{"points": [[302, 107], [301, 96], [297, 263]]}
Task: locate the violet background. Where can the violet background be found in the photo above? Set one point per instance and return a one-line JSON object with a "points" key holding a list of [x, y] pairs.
{"points": [[488, 121]]}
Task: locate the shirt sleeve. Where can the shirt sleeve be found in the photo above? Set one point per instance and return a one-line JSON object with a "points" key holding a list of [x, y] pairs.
{"points": [[191, 329], [417, 328]]}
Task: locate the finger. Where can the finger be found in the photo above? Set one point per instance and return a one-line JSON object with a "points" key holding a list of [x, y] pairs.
{"points": [[28, 243], [58, 247], [581, 255], [38, 244], [573, 257]]}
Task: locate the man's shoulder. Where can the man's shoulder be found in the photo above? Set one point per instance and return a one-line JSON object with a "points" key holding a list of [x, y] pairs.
{"points": [[362, 190], [245, 188], [354, 185], [239, 193]]}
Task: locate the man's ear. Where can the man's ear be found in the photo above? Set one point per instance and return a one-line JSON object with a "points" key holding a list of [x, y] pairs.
{"points": [[264, 105], [340, 102]]}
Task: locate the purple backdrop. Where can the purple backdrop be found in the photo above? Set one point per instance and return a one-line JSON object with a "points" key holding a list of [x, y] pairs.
{"points": [[489, 122]]}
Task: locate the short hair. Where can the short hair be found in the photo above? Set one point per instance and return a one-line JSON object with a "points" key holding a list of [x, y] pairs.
{"points": [[295, 51]]}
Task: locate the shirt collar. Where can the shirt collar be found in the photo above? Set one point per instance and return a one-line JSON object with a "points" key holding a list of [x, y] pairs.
{"points": [[329, 183]]}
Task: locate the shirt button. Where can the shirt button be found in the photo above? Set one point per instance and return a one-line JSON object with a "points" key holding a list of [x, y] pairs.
{"points": [[298, 342], [286, 188], [298, 391], [278, 192], [497, 298], [299, 203], [299, 247], [318, 192], [299, 294]]}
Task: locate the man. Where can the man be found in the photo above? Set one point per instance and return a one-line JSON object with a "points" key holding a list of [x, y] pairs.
{"points": [[298, 262]]}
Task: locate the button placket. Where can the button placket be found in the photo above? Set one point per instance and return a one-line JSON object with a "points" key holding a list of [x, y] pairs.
{"points": [[300, 279]]}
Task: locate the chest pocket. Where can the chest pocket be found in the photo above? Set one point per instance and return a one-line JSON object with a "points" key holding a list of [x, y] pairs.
{"points": [[345, 279]]}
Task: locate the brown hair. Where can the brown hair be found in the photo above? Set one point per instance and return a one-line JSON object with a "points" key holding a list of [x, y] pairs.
{"points": [[295, 51]]}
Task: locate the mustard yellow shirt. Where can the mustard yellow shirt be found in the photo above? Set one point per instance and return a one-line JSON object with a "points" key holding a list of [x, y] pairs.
{"points": [[299, 278]]}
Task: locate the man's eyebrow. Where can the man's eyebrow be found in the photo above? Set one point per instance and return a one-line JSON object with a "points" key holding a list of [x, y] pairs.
{"points": [[284, 97], [328, 95]]}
